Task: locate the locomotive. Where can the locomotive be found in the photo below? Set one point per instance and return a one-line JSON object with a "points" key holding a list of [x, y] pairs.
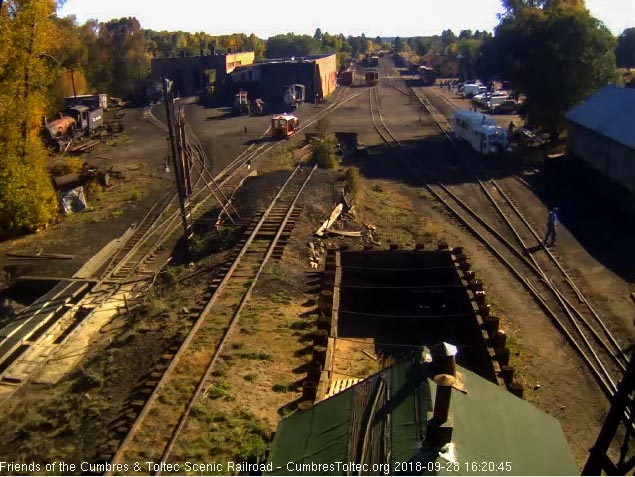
{"points": [[72, 123]]}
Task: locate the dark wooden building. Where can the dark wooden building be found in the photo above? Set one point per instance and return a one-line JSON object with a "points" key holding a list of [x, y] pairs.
{"points": [[601, 140]]}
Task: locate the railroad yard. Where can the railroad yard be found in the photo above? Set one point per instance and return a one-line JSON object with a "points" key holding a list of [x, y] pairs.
{"points": [[153, 354]]}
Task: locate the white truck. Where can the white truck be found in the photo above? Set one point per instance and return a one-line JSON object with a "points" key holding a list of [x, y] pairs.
{"points": [[480, 131]]}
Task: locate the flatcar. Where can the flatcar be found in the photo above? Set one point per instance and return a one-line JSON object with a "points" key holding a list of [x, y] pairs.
{"points": [[284, 125], [372, 77]]}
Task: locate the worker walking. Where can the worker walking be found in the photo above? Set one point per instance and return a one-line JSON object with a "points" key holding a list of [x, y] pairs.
{"points": [[552, 220]]}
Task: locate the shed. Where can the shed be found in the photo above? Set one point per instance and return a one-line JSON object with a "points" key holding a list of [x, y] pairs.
{"points": [[270, 79], [600, 135], [382, 421]]}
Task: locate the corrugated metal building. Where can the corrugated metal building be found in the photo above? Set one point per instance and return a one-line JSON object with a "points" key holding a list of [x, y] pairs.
{"points": [[382, 426], [601, 134], [192, 74], [267, 80]]}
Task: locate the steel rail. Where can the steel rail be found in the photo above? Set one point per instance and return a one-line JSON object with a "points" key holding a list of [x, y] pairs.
{"points": [[600, 374], [620, 358], [167, 374], [202, 388]]}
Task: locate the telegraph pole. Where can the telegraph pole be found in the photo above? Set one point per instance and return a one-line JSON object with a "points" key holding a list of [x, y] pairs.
{"points": [[176, 133]]}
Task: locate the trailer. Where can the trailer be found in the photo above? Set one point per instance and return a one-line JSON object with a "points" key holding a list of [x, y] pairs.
{"points": [[480, 131]]}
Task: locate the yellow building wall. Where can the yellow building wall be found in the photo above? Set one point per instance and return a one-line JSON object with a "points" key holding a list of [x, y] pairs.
{"points": [[234, 60], [327, 68]]}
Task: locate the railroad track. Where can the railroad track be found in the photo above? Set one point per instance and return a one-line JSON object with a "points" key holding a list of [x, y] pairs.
{"points": [[517, 245], [158, 426], [131, 269]]}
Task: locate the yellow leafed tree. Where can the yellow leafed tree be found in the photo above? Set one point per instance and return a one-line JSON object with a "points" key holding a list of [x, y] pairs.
{"points": [[27, 199]]}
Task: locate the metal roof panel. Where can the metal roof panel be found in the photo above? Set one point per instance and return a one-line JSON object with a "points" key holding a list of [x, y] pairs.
{"points": [[610, 112]]}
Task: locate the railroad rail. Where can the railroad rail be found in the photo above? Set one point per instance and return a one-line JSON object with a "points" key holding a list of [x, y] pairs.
{"points": [[161, 422], [516, 244], [43, 328]]}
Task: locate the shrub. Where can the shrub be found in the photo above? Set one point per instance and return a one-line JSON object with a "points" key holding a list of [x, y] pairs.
{"points": [[93, 191], [27, 199], [324, 154]]}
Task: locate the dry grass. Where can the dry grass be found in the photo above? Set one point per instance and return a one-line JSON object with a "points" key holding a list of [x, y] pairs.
{"points": [[395, 216]]}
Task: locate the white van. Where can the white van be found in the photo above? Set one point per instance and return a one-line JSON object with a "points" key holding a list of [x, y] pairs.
{"points": [[471, 89], [480, 131]]}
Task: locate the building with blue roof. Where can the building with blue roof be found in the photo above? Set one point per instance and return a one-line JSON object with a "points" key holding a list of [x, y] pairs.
{"points": [[601, 135]]}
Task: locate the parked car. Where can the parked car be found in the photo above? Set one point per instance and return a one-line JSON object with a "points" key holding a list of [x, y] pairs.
{"points": [[508, 106]]}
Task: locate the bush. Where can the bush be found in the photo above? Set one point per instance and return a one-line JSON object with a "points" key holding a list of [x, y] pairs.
{"points": [[27, 199], [93, 191], [72, 165], [324, 154]]}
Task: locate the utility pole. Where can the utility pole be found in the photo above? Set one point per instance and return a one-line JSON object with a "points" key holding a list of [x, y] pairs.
{"points": [[72, 70], [176, 131]]}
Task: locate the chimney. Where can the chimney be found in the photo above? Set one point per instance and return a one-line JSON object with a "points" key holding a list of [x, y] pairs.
{"points": [[440, 423], [443, 361]]}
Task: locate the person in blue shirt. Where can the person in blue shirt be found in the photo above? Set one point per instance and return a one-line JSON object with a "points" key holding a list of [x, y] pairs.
{"points": [[552, 220]]}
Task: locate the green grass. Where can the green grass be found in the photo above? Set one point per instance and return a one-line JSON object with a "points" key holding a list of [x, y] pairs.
{"points": [[255, 355], [282, 388], [133, 195], [220, 388]]}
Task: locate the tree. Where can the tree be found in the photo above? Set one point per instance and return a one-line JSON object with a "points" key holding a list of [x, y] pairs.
{"points": [[556, 55], [625, 50], [468, 50], [27, 200], [421, 45], [447, 37], [318, 34], [258, 46], [291, 44], [122, 52]]}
